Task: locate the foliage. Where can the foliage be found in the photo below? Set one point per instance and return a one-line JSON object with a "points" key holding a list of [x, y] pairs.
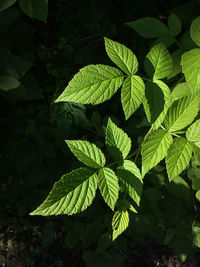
{"points": [[147, 173], [171, 101]]}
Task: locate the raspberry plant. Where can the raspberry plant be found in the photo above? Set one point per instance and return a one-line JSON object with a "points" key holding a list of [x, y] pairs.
{"points": [[170, 96]]}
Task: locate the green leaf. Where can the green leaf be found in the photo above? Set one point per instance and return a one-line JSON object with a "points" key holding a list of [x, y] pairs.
{"points": [[149, 27], [191, 68], [178, 157], [120, 222], [131, 167], [73, 193], [131, 180], [193, 174], [196, 235], [36, 9], [117, 141], [193, 133], [180, 189], [174, 25], [181, 113], [6, 4], [195, 30], [158, 63], [132, 94], [108, 185], [154, 149], [93, 84], [8, 82], [156, 102], [198, 195], [176, 57], [122, 56], [181, 90], [87, 153]]}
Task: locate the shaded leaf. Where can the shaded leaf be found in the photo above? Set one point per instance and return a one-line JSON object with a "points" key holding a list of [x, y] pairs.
{"points": [[117, 141], [149, 27], [36, 9], [195, 30]]}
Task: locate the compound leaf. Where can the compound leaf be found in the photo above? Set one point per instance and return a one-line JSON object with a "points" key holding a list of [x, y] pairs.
{"points": [[178, 157], [181, 113], [93, 84], [158, 63], [149, 27], [73, 193], [87, 153], [132, 94], [190, 63], [154, 149], [122, 56], [120, 222], [108, 185], [117, 141], [193, 133], [195, 30]]}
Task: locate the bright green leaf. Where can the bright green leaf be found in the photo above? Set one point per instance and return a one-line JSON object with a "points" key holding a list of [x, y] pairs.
{"points": [[87, 153], [122, 56], [195, 30], [36, 9], [132, 94], [93, 84], [174, 24], [198, 195], [108, 185], [154, 149], [117, 141], [181, 90], [73, 193], [181, 113], [178, 157], [193, 133], [191, 68], [131, 180], [4, 4], [120, 222], [196, 235], [158, 63], [149, 27]]}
